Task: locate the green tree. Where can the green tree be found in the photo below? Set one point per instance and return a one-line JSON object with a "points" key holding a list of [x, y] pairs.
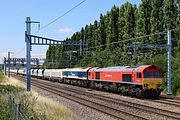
{"points": [[156, 19], [175, 74], [89, 39], [112, 35], [102, 28], [96, 34], [129, 19], [143, 24], [170, 14], [126, 24]]}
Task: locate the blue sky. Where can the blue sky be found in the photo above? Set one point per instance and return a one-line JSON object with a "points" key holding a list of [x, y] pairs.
{"points": [[14, 13]]}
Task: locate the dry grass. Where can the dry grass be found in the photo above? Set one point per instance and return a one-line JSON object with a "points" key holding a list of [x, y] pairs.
{"points": [[44, 108], [53, 110], [12, 81]]}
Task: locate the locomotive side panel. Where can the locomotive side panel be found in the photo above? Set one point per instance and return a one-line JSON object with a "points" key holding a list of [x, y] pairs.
{"points": [[111, 76]]}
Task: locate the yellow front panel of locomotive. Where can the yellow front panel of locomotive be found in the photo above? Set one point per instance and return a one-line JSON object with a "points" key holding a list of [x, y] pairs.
{"points": [[153, 83]]}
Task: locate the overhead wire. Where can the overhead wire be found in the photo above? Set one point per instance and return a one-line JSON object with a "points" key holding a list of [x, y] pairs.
{"points": [[131, 39], [61, 16], [20, 52]]}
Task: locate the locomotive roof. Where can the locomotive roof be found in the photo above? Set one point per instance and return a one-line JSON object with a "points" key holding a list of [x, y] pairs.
{"points": [[117, 68], [126, 68]]}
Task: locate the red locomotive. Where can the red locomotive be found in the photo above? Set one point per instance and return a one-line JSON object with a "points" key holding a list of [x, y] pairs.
{"points": [[138, 81]]}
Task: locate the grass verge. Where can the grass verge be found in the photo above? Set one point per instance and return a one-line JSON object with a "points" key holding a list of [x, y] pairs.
{"points": [[39, 107], [1, 76], [5, 111]]}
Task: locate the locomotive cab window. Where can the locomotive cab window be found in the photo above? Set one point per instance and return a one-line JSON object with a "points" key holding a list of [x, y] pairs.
{"points": [[157, 74], [152, 74], [138, 75], [148, 75]]}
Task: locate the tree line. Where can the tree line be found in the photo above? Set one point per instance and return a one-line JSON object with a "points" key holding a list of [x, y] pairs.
{"points": [[109, 38]]}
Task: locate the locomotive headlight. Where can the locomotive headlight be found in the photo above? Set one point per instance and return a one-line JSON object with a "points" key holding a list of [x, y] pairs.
{"points": [[159, 85], [145, 85]]}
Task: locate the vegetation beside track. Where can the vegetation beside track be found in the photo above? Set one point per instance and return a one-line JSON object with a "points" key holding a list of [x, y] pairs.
{"points": [[1, 75], [33, 105], [5, 112]]}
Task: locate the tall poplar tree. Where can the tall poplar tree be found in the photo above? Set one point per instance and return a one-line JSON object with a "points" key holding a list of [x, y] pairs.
{"points": [[129, 19], [102, 28], [126, 23], [112, 35], [170, 14], [143, 24], [156, 20], [96, 34]]}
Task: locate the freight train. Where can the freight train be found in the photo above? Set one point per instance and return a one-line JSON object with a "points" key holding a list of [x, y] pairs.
{"points": [[141, 81]]}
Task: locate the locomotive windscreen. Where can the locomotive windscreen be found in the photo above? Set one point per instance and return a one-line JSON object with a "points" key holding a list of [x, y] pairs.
{"points": [[152, 74]]}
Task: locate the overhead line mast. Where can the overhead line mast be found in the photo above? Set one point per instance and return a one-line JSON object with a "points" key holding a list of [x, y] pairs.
{"points": [[169, 47], [36, 40]]}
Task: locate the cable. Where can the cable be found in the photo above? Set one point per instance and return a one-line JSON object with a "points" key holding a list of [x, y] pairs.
{"points": [[61, 16], [130, 39], [21, 51]]}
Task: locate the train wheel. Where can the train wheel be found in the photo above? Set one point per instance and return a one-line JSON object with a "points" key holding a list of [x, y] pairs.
{"points": [[133, 91], [123, 90], [96, 86], [155, 94], [79, 83], [85, 84], [126, 90], [130, 91], [139, 93], [146, 94], [91, 85], [71, 82], [106, 87], [100, 86], [119, 89]]}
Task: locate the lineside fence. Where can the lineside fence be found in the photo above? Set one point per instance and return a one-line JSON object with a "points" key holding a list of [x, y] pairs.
{"points": [[17, 109]]}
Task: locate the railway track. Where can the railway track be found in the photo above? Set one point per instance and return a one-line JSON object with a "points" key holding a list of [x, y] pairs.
{"points": [[170, 102], [170, 97], [157, 111], [140, 107]]}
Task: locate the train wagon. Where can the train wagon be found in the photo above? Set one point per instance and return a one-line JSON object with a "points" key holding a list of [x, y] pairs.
{"points": [[77, 76], [53, 74]]}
